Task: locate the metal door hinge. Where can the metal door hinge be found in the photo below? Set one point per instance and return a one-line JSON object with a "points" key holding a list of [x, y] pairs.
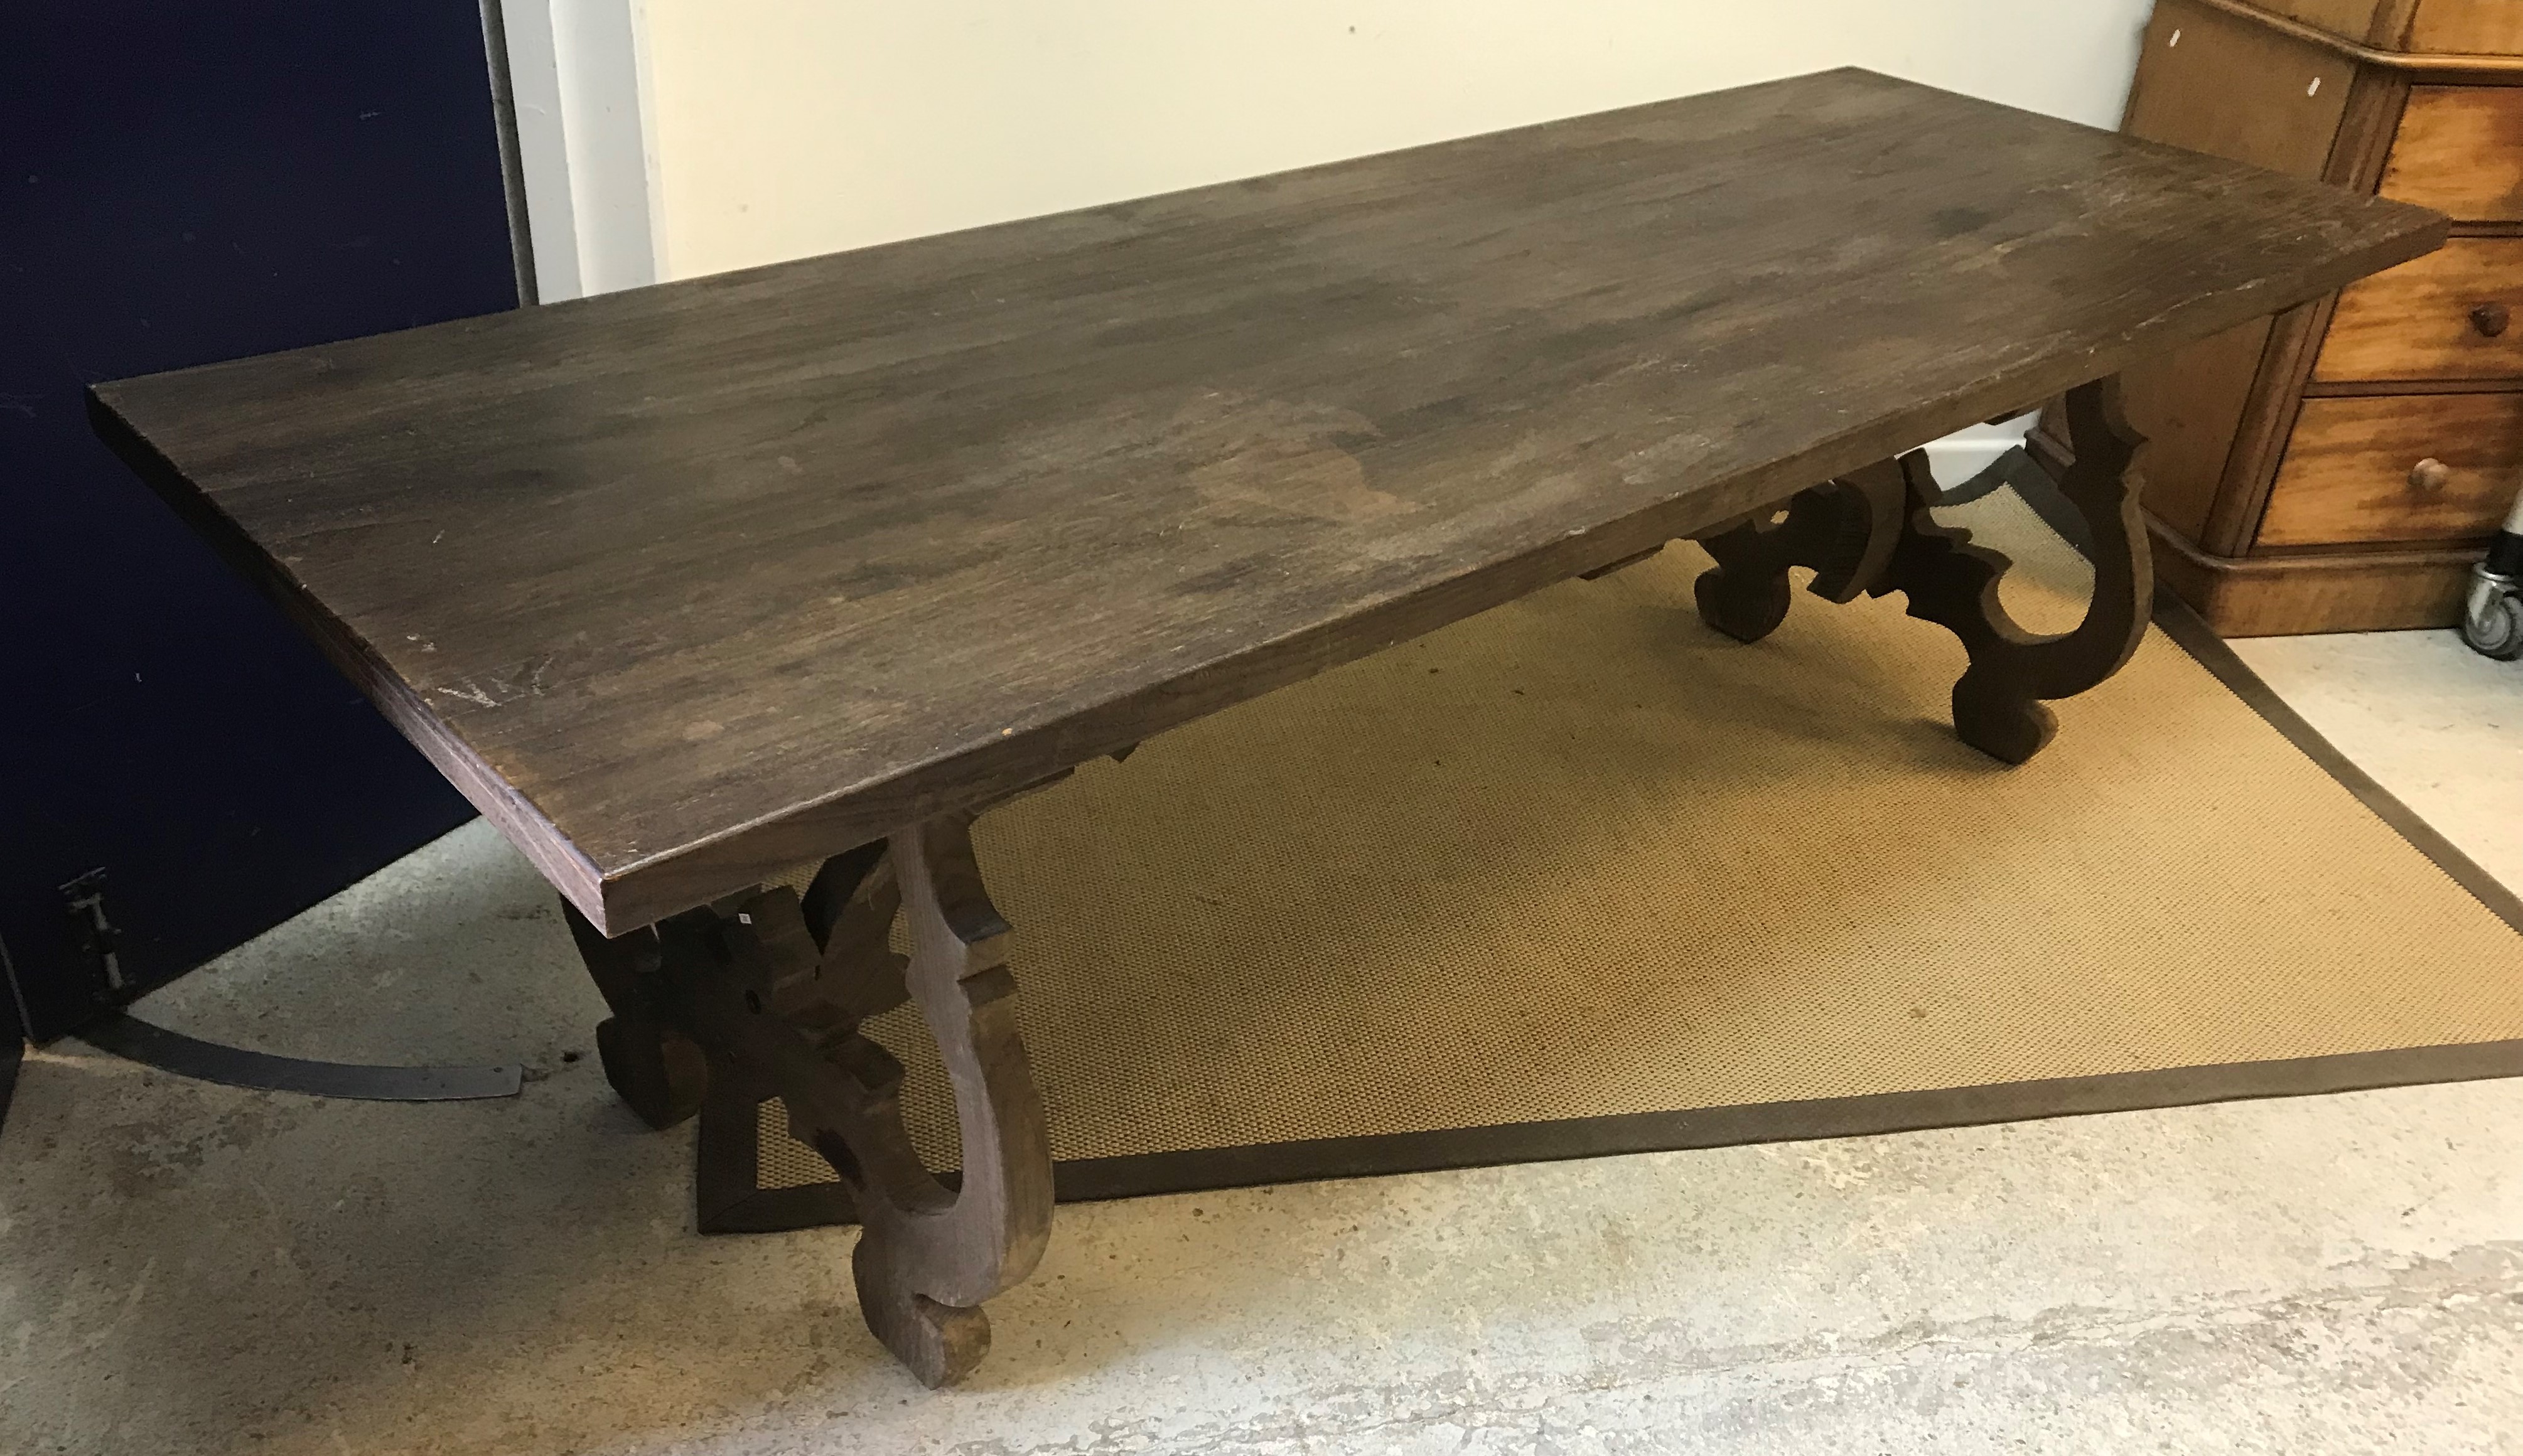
{"points": [[97, 934]]}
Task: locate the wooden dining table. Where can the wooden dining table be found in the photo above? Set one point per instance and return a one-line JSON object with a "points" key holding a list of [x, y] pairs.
{"points": [[688, 586]]}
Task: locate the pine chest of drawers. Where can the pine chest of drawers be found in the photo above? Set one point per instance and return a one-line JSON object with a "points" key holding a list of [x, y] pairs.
{"points": [[2340, 467]]}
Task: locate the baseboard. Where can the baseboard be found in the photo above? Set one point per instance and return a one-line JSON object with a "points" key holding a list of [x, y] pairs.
{"points": [[2260, 597], [1968, 454]]}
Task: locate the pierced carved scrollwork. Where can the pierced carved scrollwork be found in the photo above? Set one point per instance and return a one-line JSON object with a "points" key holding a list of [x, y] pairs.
{"points": [[1998, 706], [773, 989], [658, 1071], [1872, 530], [1844, 530]]}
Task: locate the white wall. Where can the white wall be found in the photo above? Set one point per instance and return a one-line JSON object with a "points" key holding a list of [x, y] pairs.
{"points": [[669, 138], [788, 127]]}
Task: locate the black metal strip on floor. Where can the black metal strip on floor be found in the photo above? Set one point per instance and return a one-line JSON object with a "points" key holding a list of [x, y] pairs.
{"points": [[234, 1067]]}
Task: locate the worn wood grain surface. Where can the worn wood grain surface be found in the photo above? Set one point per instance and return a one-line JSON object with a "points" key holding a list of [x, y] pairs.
{"points": [[691, 584]]}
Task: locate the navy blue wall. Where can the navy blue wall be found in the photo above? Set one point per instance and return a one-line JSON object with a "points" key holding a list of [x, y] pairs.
{"points": [[183, 181]]}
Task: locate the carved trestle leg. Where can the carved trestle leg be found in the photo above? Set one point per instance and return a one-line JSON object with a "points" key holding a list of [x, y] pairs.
{"points": [[1845, 530], [771, 988], [1871, 531]]}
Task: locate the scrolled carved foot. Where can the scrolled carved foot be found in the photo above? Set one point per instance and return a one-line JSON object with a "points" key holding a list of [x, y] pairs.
{"points": [[1872, 530], [1995, 718], [1744, 606], [657, 1070], [661, 1073], [939, 1343]]}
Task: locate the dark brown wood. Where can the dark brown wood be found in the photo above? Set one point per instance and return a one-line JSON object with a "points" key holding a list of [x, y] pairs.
{"points": [[776, 1013], [1844, 530], [1636, 558], [1999, 702], [926, 1260], [657, 1071], [689, 584], [2190, 405], [1192, 1170], [1872, 530], [2358, 153], [2392, 22], [2267, 424], [2369, 127], [2401, 387], [2230, 86]]}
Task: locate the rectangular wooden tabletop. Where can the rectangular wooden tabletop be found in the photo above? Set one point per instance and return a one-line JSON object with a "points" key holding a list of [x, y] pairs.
{"points": [[690, 584]]}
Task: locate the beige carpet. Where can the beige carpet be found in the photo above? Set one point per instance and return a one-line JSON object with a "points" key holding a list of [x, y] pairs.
{"points": [[1581, 856]]}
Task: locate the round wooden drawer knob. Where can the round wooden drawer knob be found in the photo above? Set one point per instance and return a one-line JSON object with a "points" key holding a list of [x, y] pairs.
{"points": [[2491, 319], [2430, 474]]}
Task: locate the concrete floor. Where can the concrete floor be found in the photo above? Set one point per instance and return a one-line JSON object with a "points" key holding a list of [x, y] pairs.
{"points": [[2433, 722], [188, 1268]]}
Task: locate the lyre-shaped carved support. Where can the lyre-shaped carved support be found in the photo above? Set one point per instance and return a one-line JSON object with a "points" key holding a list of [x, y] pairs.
{"points": [[1998, 706], [928, 1258], [1871, 531], [773, 991]]}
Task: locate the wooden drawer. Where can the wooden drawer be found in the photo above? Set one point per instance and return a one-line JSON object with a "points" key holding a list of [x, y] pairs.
{"points": [[2453, 314], [2345, 479], [2461, 150], [2466, 27]]}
